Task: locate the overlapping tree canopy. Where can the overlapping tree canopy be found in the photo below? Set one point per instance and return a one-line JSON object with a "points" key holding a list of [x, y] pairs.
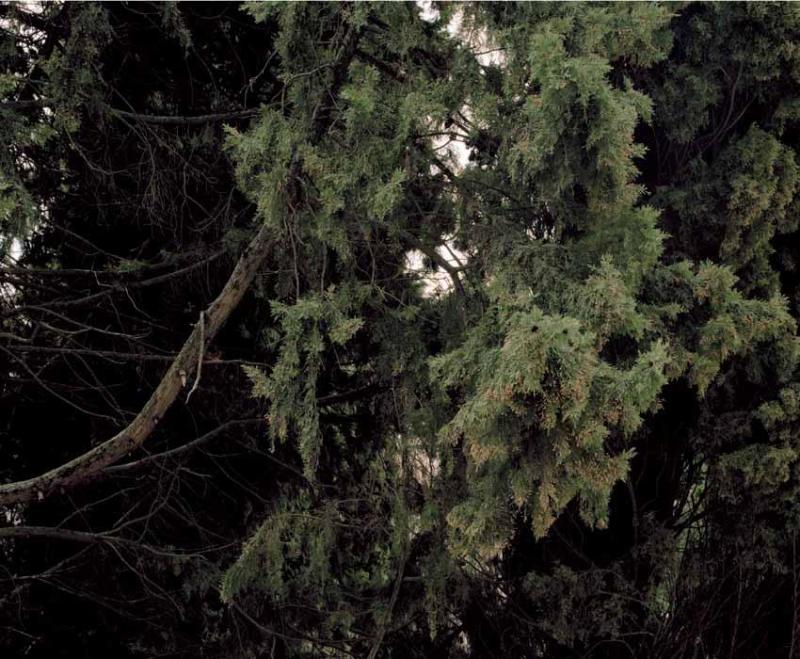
{"points": [[239, 420]]}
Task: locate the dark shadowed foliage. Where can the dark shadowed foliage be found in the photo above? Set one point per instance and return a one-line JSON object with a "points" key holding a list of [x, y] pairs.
{"points": [[329, 331]]}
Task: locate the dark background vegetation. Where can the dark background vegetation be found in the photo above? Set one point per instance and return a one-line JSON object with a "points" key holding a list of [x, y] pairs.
{"points": [[144, 221]]}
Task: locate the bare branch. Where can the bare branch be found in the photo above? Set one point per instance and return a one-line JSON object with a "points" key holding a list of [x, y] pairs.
{"points": [[199, 358], [185, 448], [51, 533], [187, 120], [154, 119], [136, 433]]}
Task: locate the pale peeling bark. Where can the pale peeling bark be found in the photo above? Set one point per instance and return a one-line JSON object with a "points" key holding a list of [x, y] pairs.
{"points": [[182, 368]]}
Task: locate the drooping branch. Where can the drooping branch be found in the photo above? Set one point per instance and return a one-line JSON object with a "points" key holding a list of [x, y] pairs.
{"points": [[154, 119], [24, 104], [116, 355], [129, 467], [50, 533], [136, 433], [184, 365], [188, 120]]}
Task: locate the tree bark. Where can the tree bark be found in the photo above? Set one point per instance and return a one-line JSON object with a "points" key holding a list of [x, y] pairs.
{"points": [[136, 433], [182, 368]]}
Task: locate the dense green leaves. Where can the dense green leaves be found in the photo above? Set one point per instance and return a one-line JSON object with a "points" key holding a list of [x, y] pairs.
{"points": [[583, 440]]}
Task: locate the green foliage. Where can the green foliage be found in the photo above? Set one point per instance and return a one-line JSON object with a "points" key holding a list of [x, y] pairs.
{"points": [[291, 387], [574, 312], [742, 203], [586, 444], [292, 545]]}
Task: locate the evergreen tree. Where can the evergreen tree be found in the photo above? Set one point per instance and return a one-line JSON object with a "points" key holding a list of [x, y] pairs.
{"points": [[270, 434]]}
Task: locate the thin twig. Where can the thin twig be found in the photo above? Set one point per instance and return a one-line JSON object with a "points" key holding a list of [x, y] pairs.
{"points": [[199, 356], [388, 615]]}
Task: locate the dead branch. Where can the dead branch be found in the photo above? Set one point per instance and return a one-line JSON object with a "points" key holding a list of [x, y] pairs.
{"points": [[134, 435]]}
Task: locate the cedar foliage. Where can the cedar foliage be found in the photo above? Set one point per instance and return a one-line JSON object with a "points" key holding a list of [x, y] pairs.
{"points": [[586, 446]]}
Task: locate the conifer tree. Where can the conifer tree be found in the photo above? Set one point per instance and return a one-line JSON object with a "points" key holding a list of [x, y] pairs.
{"points": [[495, 351]]}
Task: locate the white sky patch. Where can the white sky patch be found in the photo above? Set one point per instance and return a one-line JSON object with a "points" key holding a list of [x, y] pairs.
{"points": [[414, 456], [451, 147], [477, 40], [16, 248], [427, 12], [435, 282]]}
